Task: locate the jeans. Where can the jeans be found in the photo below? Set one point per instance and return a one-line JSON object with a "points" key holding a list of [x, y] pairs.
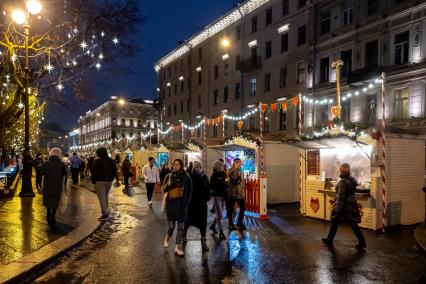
{"points": [[355, 229], [149, 190], [219, 205], [230, 208], [74, 174], [102, 191], [180, 234]]}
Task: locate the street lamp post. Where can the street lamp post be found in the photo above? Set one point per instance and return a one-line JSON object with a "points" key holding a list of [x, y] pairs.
{"points": [[33, 7]]}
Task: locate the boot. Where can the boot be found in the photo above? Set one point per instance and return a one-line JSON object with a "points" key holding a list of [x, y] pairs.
{"points": [[204, 244], [213, 228], [222, 235]]}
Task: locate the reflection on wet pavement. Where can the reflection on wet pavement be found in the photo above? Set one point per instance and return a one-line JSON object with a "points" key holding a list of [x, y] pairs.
{"points": [[286, 249], [23, 228]]}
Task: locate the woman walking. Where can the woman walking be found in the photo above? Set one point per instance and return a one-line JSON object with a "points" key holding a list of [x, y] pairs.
{"points": [[218, 184], [178, 186], [54, 171], [197, 213], [104, 172]]}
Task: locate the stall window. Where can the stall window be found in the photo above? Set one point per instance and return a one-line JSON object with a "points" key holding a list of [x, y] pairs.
{"points": [[401, 104]]}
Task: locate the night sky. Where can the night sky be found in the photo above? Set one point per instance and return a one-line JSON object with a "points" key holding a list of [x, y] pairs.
{"points": [[166, 23]]}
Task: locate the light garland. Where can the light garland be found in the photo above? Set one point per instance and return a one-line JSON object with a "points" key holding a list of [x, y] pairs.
{"points": [[242, 117]]}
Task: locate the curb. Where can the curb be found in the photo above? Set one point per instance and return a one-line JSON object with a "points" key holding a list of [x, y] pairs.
{"points": [[22, 268], [420, 238]]}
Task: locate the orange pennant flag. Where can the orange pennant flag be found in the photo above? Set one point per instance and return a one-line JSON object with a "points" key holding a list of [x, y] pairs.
{"points": [[284, 105], [274, 106], [264, 107], [295, 101]]}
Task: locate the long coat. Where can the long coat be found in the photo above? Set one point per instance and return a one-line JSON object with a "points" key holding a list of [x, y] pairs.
{"points": [[177, 209], [197, 213], [53, 171], [235, 189], [345, 207]]}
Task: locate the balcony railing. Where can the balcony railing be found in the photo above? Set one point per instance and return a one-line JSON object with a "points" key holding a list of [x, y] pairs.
{"points": [[251, 64]]}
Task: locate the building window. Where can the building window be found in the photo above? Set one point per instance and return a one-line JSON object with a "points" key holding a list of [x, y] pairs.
{"points": [[131, 123], [267, 83], [175, 88], [225, 94], [170, 91], [269, 16], [169, 71], [401, 47], [164, 94], [215, 128], [175, 108], [401, 104], [268, 49], [226, 67], [169, 111], [284, 42], [188, 105], [325, 23], [139, 123], [237, 62], [123, 122], [301, 35], [181, 107], [254, 24], [285, 7], [199, 101], [347, 16], [371, 53], [253, 86], [181, 86], [283, 77], [265, 123], [188, 83], [302, 3], [215, 97], [200, 54], [301, 72], [346, 57], [252, 123], [200, 78], [324, 70], [372, 7], [238, 33], [237, 91], [216, 71]]}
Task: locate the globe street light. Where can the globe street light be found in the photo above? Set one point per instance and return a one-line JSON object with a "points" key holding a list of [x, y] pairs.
{"points": [[225, 42], [21, 18]]}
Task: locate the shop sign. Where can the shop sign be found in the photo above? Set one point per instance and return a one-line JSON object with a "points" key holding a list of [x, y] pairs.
{"points": [[315, 204]]}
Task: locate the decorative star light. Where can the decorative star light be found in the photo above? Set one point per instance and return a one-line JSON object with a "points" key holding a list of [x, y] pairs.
{"points": [[13, 58], [21, 105], [101, 56], [83, 45], [49, 67], [102, 34], [60, 86], [98, 65], [74, 62], [115, 40]]}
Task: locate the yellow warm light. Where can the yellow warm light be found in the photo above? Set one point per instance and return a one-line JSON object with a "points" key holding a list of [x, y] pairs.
{"points": [[18, 17], [34, 7], [121, 102], [226, 42]]}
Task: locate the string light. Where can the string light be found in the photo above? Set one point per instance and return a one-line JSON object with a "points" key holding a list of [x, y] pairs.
{"points": [[98, 65], [60, 87], [115, 40], [83, 45], [21, 105]]}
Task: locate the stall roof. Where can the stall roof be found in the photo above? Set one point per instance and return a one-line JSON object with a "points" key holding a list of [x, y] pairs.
{"points": [[183, 148], [230, 147], [326, 143]]}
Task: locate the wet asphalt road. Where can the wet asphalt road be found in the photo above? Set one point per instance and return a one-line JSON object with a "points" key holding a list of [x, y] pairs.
{"points": [[129, 249]]}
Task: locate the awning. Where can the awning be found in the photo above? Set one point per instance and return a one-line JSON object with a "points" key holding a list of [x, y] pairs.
{"points": [[230, 147], [327, 143]]}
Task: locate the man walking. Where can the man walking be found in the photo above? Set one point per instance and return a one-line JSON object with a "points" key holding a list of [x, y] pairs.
{"points": [[75, 167], [345, 208], [151, 176], [236, 194], [126, 170]]}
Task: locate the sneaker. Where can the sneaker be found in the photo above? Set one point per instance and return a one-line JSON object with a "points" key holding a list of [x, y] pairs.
{"points": [[361, 246], [150, 204], [179, 250], [103, 217], [241, 227], [213, 228], [222, 235], [327, 242], [167, 241]]}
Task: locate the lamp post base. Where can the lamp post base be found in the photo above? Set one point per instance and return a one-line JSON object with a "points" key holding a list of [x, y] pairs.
{"points": [[27, 186]]}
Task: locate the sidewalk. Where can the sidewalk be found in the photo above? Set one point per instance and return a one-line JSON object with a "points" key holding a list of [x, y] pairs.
{"points": [[420, 236], [25, 234]]}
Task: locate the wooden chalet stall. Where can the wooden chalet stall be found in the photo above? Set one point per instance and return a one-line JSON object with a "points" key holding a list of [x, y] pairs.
{"points": [[187, 152], [404, 177]]}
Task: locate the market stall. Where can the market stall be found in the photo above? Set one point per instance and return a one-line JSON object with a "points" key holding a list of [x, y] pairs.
{"points": [[187, 152], [404, 177]]}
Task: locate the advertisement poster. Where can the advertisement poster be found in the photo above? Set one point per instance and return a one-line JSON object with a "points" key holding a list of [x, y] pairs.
{"points": [[247, 160], [161, 159]]}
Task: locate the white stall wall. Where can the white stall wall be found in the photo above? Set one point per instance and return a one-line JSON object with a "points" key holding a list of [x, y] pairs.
{"points": [[282, 170], [212, 156]]}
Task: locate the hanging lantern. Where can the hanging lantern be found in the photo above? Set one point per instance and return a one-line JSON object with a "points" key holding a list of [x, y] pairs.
{"points": [[284, 105], [274, 107], [240, 124], [295, 101]]}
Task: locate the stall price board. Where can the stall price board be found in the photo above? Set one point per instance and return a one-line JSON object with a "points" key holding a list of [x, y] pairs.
{"points": [[314, 162]]}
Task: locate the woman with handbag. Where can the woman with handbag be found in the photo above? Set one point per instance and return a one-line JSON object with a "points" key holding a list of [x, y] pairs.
{"points": [[178, 187], [197, 213]]}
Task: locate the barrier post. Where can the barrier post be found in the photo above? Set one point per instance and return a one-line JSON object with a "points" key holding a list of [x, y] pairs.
{"points": [[263, 198]]}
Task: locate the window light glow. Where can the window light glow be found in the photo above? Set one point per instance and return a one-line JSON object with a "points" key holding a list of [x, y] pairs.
{"points": [[283, 28], [252, 43]]}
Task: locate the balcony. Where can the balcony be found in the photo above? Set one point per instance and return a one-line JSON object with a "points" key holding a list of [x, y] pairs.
{"points": [[251, 64]]}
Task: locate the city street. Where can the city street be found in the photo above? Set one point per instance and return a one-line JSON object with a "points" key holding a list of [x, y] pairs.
{"points": [[286, 249]]}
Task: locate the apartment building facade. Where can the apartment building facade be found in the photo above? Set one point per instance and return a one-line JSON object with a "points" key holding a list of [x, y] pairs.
{"points": [[117, 118], [277, 49]]}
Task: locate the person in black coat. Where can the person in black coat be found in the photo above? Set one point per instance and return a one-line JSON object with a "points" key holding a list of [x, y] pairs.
{"points": [[126, 170], [177, 207], [104, 172], [38, 165], [197, 212], [219, 184], [165, 170], [54, 171], [345, 208]]}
